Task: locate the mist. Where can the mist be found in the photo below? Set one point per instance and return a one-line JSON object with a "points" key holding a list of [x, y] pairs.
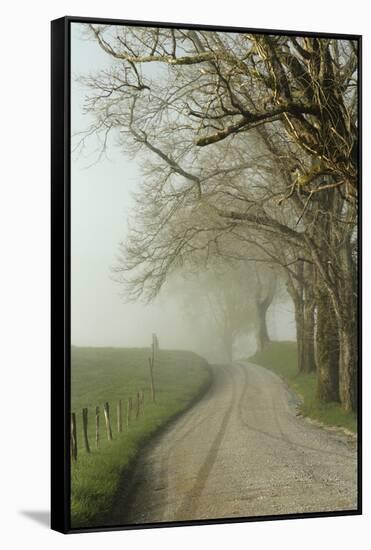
{"points": [[102, 203]]}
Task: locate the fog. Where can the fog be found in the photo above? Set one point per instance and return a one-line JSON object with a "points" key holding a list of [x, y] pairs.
{"points": [[101, 204]]}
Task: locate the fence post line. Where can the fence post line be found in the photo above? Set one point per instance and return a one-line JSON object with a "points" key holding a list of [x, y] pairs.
{"points": [[85, 429], [97, 426], [119, 416], [73, 437], [108, 423]]}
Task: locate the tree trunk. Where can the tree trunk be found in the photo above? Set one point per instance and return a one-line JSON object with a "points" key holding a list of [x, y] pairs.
{"points": [[262, 336], [333, 250], [295, 287], [347, 320], [343, 291], [308, 364], [348, 368], [305, 325], [327, 348], [263, 298], [299, 321]]}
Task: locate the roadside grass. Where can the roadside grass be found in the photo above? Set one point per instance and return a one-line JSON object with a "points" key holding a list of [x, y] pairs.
{"points": [[281, 358], [109, 374]]}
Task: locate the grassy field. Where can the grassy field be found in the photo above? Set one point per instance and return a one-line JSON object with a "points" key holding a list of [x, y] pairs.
{"points": [[109, 374], [281, 357]]}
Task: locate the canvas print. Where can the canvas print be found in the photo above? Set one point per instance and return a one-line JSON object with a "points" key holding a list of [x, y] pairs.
{"points": [[214, 184]]}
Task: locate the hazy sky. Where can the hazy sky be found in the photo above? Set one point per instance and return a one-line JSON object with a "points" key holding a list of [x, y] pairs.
{"points": [[100, 204]]}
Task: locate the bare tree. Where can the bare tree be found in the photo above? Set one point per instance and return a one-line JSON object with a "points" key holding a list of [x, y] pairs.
{"points": [[234, 298], [245, 137]]}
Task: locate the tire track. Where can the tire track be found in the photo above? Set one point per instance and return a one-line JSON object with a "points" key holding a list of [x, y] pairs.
{"points": [[241, 452], [170, 440], [204, 472]]}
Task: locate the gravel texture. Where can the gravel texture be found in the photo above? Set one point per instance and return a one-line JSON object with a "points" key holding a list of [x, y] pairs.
{"points": [[241, 451]]}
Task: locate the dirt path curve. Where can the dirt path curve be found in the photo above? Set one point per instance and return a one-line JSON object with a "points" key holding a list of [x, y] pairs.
{"points": [[241, 451]]}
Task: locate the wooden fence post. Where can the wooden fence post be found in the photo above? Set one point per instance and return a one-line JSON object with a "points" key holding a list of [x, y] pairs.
{"points": [[128, 411], [108, 423], [119, 416], [137, 410], [73, 437], [153, 393], [97, 426], [85, 429], [142, 401], [155, 343]]}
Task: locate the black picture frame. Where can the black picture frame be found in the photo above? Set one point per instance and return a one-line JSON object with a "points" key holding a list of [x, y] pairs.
{"points": [[61, 281]]}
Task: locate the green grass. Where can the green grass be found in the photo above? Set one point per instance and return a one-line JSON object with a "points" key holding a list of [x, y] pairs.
{"points": [[109, 374], [281, 358]]}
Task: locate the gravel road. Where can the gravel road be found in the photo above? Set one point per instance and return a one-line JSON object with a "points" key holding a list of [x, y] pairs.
{"points": [[241, 451]]}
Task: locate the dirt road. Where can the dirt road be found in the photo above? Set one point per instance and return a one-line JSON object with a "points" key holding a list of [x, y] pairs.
{"points": [[241, 451]]}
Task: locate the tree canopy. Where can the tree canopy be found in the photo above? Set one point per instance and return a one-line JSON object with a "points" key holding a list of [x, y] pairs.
{"points": [[249, 150]]}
